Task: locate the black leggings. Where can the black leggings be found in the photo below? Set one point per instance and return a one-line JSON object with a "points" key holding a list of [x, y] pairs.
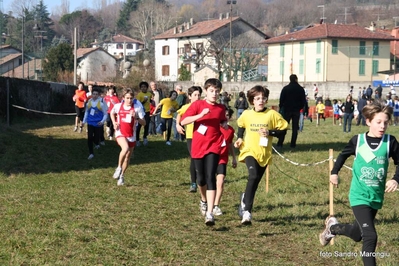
{"points": [[93, 136], [362, 228], [193, 175], [167, 123], [255, 173], [205, 169]]}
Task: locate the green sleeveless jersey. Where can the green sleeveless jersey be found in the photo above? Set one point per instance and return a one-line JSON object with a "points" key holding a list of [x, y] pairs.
{"points": [[369, 173]]}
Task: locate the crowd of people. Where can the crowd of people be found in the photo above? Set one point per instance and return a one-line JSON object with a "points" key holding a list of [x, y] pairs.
{"points": [[210, 141]]}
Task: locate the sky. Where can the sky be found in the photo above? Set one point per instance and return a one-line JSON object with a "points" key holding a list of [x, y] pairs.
{"points": [[53, 4]]}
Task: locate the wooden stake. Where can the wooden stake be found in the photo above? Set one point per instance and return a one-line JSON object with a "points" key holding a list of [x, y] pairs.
{"points": [[267, 179], [331, 187]]}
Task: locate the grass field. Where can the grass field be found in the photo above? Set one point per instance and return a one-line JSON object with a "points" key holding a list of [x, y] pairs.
{"points": [[58, 208]]}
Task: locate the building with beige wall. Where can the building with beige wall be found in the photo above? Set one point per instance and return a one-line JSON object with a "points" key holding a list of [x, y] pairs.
{"points": [[329, 53]]}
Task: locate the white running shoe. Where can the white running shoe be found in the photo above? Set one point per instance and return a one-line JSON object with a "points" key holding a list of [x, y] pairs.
{"points": [[110, 138], [326, 236], [217, 211], [102, 143], [203, 207], [145, 142], [117, 172], [96, 147], [169, 143], [121, 181], [91, 156], [138, 143], [241, 206], [246, 218], [75, 129], [209, 219]]}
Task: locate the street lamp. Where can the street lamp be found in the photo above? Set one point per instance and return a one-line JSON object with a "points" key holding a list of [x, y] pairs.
{"points": [[231, 3]]}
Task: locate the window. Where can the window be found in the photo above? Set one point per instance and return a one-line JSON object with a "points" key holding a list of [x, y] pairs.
{"points": [[301, 66], [362, 47], [376, 48], [282, 46], [187, 48], [281, 67], [301, 48], [165, 70], [104, 67], [318, 65], [181, 50], [334, 49], [318, 47], [375, 67], [362, 67], [129, 46], [165, 50], [119, 46]]}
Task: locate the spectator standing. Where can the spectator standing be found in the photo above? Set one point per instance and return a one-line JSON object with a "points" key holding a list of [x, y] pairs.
{"points": [[360, 105], [225, 99], [378, 92], [95, 116], [292, 100], [392, 89], [241, 104], [157, 97], [369, 92], [315, 91], [145, 98], [396, 111], [347, 108]]}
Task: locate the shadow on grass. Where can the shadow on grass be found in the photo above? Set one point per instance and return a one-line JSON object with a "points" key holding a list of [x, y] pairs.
{"points": [[26, 153]]}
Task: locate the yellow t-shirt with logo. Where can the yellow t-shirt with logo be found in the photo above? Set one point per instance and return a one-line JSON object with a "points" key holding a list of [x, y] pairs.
{"points": [[167, 104], [189, 127], [252, 121], [141, 96]]}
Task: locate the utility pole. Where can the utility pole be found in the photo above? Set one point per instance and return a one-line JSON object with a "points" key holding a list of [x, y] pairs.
{"points": [[345, 15], [323, 18], [231, 3]]}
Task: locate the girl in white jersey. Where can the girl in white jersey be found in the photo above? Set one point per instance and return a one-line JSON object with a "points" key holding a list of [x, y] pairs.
{"points": [[125, 116]]}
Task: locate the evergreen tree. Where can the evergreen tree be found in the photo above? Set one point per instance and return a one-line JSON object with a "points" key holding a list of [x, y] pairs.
{"points": [[59, 60], [123, 20], [44, 32]]}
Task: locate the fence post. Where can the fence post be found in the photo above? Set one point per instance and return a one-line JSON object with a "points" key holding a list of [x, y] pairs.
{"points": [[8, 102], [331, 186]]}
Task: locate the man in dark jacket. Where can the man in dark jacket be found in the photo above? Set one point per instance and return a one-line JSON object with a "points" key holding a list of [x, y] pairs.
{"points": [[292, 100], [360, 118]]}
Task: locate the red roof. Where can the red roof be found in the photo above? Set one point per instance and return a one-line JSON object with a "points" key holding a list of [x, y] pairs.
{"points": [[330, 31], [84, 51], [197, 29], [29, 67], [9, 57]]}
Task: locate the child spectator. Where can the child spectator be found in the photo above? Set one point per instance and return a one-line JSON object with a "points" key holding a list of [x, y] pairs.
{"points": [[396, 110], [336, 111], [170, 106]]}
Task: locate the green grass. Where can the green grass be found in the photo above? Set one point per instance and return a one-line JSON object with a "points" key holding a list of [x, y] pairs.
{"points": [[58, 208]]}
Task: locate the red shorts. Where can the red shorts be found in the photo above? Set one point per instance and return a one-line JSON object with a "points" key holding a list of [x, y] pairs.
{"points": [[337, 116]]}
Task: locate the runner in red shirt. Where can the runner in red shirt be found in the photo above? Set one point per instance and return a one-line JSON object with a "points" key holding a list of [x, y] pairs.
{"points": [[124, 117], [207, 116], [111, 99]]}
